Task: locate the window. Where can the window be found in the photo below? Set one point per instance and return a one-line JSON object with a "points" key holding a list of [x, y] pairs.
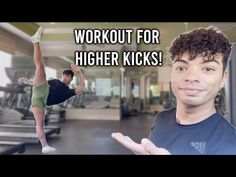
{"points": [[103, 87], [5, 59], [50, 73]]}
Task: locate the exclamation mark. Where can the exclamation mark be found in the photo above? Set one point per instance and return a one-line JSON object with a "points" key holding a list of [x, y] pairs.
{"points": [[160, 58]]}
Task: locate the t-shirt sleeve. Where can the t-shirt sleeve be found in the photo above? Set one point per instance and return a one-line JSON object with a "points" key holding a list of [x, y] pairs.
{"points": [[51, 82], [72, 92]]}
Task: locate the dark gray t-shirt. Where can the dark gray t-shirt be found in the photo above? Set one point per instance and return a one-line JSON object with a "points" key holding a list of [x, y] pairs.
{"points": [[58, 92], [213, 135]]}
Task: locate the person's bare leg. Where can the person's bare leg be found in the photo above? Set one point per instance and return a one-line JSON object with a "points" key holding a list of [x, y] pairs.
{"points": [[39, 120], [39, 79], [40, 75], [39, 114]]}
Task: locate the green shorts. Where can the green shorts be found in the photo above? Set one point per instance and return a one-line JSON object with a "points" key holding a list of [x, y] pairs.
{"points": [[40, 95]]}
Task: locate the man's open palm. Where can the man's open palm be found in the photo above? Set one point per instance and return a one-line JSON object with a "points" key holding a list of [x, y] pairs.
{"points": [[145, 148]]}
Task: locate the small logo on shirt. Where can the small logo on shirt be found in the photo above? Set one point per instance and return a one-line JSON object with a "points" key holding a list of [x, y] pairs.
{"points": [[199, 146]]}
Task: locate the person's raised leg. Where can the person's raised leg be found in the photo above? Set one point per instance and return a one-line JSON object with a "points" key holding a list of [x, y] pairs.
{"points": [[40, 75]]}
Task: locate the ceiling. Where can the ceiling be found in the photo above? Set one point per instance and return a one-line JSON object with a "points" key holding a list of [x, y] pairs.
{"points": [[58, 38]]}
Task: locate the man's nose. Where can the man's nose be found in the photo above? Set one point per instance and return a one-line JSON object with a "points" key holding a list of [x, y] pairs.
{"points": [[192, 75]]}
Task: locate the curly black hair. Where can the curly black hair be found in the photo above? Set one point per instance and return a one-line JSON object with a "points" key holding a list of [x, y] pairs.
{"points": [[207, 42]]}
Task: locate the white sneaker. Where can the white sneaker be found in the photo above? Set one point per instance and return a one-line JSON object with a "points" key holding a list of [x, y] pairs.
{"points": [[37, 36], [48, 149]]}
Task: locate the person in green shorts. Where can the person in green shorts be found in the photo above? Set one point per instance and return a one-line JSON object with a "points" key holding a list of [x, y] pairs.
{"points": [[51, 92]]}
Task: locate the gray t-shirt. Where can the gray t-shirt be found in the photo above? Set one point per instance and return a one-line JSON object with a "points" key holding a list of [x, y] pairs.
{"points": [[213, 135]]}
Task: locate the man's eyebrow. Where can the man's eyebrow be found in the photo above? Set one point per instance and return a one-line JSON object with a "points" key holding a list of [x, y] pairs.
{"points": [[180, 60], [207, 61]]}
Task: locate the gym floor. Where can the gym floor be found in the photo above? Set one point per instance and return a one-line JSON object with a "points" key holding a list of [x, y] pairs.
{"points": [[94, 136]]}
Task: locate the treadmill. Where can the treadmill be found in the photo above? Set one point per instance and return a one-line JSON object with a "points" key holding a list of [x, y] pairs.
{"points": [[11, 147], [24, 133]]}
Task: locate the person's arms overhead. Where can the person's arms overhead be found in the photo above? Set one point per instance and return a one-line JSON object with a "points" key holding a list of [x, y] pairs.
{"points": [[79, 73]]}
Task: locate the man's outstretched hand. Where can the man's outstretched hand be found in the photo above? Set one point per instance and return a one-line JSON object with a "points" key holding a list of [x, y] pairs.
{"points": [[75, 68], [23, 79], [145, 148]]}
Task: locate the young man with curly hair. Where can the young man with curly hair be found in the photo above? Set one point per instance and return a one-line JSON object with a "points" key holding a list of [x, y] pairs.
{"points": [[199, 60]]}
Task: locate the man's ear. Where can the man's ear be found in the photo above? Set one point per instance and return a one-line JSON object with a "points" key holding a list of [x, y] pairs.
{"points": [[224, 77]]}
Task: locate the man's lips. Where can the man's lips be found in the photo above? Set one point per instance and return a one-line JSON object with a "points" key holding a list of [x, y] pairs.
{"points": [[191, 90]]}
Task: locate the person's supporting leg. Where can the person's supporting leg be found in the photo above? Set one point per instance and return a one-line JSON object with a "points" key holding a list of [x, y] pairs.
{"points": [[39, 79], [39, 119]]}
